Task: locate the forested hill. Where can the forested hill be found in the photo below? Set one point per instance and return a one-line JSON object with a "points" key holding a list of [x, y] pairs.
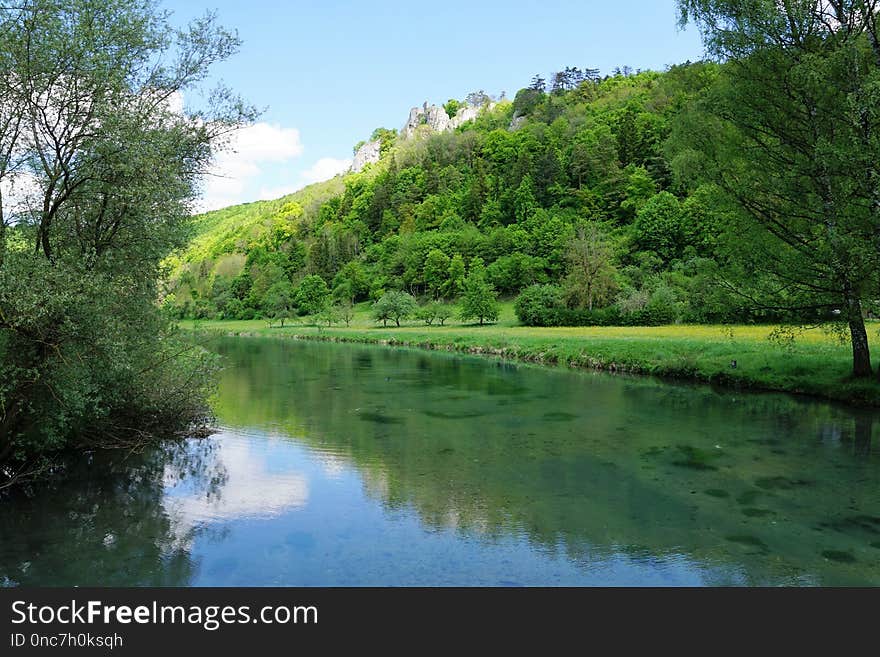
{"points": [[580, 188]]}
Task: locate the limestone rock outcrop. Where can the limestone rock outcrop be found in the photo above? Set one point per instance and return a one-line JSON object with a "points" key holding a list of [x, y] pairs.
{"points": [[433, 116], [465, 114], [516, 123], [436, 118], [369, 153]]}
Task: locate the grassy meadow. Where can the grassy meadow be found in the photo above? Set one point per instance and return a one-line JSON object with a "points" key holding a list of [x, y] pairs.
{"points": [[815, 363]]}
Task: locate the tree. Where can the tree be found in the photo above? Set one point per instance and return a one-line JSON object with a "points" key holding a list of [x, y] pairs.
{"points": [[594, 156], [524, 203], [526, 100], [510, 274], [560, 83], [386, 138], [443, 312], [478, 98], [394, 305], [454, 285], [351, 283], [452, 106], [327, 315], [311, 295], [279, 300], [479, 300], [791, 134], [640, 188], [591, 276], [658, 226], [345, 312], [112, 168], [434, 311], [538, 305], [428, 312], [436, 272], [538, 83]]}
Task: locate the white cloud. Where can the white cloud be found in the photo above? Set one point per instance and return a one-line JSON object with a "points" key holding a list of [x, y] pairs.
{"points": [[240, 166], [325, 169], [272, 193]]}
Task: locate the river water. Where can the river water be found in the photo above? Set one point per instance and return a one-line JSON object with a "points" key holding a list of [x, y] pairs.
{"points": [[340, 465]]}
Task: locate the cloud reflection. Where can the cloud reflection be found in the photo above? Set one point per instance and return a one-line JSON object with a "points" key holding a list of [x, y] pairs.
{"points": [[251, 488]]}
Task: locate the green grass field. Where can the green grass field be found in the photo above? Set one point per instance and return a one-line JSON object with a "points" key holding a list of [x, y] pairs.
{"points": [[816, 363]]}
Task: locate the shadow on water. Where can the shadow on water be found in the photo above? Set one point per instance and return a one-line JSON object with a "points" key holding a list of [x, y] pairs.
{"points": [[395, 467]]}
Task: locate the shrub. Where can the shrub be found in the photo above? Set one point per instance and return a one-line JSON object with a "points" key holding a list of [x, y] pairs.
{"points": [[538, 305]]}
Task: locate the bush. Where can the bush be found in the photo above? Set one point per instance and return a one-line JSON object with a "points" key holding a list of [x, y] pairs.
{"points": [[538, 304], [542, 305]]}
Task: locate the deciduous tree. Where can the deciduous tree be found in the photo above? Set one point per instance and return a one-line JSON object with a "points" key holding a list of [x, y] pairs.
{"points": [[792, 136]]}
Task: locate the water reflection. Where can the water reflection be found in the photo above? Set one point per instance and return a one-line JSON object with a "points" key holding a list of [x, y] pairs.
{"points": [[345, 465], [106, 524], [250, 489]]}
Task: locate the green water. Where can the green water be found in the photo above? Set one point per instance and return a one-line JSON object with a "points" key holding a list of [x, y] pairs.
{"points": [[345, 465]]}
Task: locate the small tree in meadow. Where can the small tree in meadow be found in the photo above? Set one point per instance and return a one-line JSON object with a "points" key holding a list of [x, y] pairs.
{"points": [[328, 315], [345, 312], [434, 312], [279, 301], [394, 305], [444, 312], [479, 300]]}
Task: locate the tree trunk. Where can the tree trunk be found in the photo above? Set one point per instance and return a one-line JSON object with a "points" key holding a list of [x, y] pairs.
{"points": [[859, 336]]}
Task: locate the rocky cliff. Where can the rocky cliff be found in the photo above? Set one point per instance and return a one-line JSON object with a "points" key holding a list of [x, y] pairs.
{"points": [[433, 116], [366, 154], [436, 118]]}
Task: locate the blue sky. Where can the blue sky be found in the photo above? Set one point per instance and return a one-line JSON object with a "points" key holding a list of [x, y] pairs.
{"points": [[329, 72]]}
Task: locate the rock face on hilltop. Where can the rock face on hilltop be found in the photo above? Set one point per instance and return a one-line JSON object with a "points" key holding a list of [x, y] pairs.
{"points": [[433, 116], [369, 153], [436, 118]]}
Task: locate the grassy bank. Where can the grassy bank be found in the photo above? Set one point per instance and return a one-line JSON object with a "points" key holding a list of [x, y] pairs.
{"points": [[815, 364]]}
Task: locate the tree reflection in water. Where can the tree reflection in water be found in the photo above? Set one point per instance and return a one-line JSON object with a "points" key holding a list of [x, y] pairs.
{"points": [[105, 522]]}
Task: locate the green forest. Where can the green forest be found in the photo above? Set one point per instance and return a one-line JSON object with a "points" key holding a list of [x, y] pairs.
{"points": [[740, 189], [575, 193]]}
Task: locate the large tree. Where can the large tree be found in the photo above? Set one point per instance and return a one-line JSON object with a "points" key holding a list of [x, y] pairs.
{"points": [[591, 278], [100, 166], [791, 134]]}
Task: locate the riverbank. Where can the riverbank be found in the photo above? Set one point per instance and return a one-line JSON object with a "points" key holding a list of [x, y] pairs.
{"points": [[816, 364]]}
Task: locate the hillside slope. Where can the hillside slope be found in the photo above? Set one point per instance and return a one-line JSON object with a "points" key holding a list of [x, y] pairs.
{"points": [[582, 188]]}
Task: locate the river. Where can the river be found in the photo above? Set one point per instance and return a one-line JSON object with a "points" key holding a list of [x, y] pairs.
{"points": [[341, 465]]}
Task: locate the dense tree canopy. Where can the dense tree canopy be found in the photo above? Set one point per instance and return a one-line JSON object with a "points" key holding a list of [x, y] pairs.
{"points": [[515, 188], [790, 134], [98, 170]]}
